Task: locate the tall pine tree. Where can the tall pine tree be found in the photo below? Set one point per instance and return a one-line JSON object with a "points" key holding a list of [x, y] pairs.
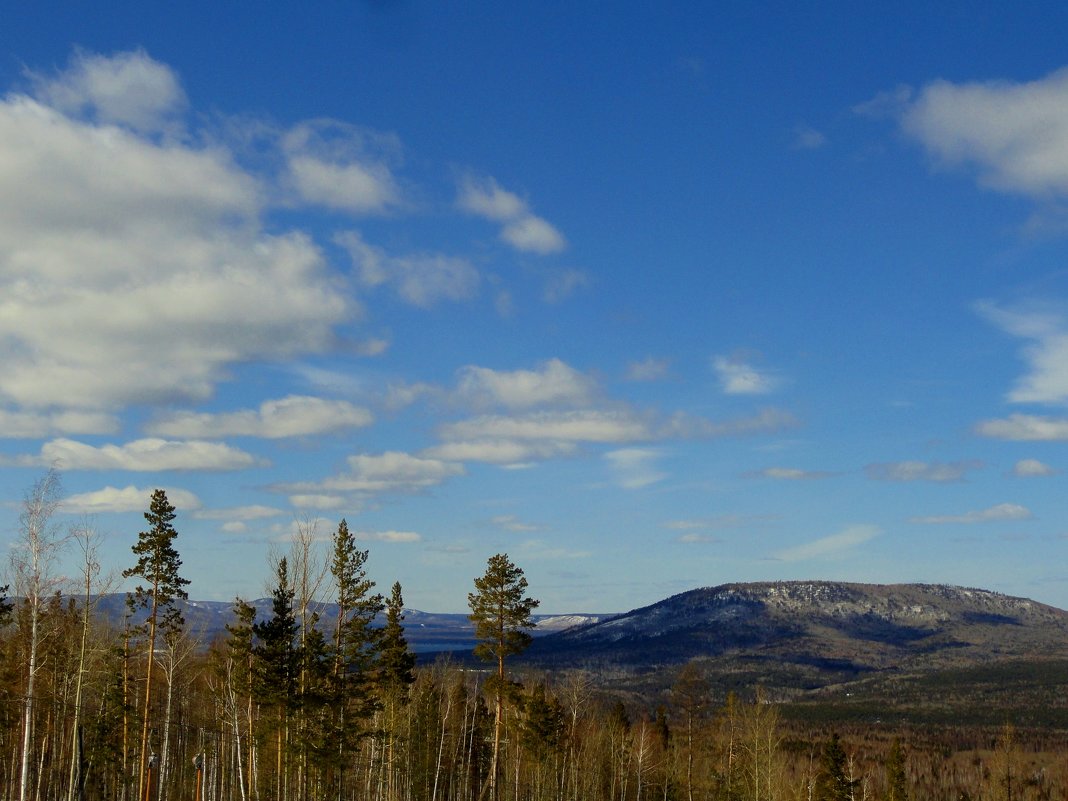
{"points": [[157, 565], [501, 612]]}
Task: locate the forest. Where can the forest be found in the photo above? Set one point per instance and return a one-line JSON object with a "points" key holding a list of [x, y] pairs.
{"points": [[296, 706]]}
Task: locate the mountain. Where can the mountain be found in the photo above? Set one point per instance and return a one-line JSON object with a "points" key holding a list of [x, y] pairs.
{"points": [[807, 634], [427, 632]]}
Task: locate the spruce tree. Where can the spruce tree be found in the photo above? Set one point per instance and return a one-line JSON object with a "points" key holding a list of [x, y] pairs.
{"points": [[157, 565], [501, 612], [832, 784], [355, 646], [896, 786], [396, 662], [277, 664]]}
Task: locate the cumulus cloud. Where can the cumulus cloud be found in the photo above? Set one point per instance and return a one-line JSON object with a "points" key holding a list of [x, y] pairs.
{"points": [[553, 383], [421, 279], [142, 455], [587, 425], [372, 474], [1003, 511], [341, 166], [507, 452], [1027, 468], [1014, 133], [388, 536], [737, 377], [1026, 427], [938, 472], [292, 416], [35, 425], [135, 269], [1046, 350], [520, 227], [125, 499], [831, 546], [128, 89], [635, 467]]}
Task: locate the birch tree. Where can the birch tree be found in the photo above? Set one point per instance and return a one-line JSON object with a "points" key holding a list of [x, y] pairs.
{"points": [[33, 564]]}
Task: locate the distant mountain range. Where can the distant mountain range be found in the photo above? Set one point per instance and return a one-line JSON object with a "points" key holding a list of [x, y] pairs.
{"points": [[921, 652], [426, 632]]}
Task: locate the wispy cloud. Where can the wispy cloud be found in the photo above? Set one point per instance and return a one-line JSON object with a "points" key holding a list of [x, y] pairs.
{"points": [[939, 472], [739, 377], [649, 369], [1025, 428], [1003, 511], [635, 468], [1045, 331], [830, 546], [792, 474], [420, 279], [513, 523]]}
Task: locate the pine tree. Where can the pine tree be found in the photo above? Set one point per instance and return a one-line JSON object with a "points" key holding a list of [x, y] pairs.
{"points": [[501, 612], [396, 662], [157, 564], [896, 787], [832, 784], [277, 665], [355, 646]]}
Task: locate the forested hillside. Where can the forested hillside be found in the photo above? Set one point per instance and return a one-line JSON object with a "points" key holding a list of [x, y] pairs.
{"points": [[285, 705]]}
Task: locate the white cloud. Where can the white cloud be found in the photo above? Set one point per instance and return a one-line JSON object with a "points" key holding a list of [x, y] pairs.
{"points": [[634, 467], [1003, 511], [938, 472], [513, 523], [831, 546], [1026, 468], [553, 383], [126, 499], [380, 473], [134, 270], [1015, 133], [521, 229], [254, 512], [292, 416], [313, 501], [650, 369], [422, 279], [692, 537], [142, 455], [388, 536], [1026, 427], [35, 425], [569, 426], [740, 378], [342, 167], [508, 452], [534, 235], [765, 421], [1046, 351], [792, 474], [129, 89]]}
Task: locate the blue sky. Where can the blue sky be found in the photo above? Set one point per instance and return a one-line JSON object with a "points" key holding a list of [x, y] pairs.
{"points": [[648, 298]]}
